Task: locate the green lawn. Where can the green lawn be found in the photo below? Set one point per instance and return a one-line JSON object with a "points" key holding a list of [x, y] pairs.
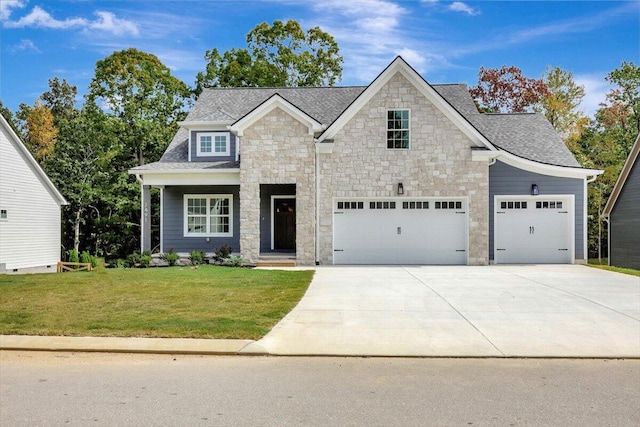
{"points": [[594, 263], [205, 302]]}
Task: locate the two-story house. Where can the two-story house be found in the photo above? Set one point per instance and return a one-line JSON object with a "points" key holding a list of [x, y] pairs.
{"points": [[396, 172]]}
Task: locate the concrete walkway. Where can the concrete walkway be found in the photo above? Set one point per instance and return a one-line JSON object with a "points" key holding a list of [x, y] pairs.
{"points": [[495, 311]]}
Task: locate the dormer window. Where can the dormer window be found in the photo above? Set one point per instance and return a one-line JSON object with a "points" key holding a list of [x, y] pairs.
{"points": [[212, 144], [398, 129]]}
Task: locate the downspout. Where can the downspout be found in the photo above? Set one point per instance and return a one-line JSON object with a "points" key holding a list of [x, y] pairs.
{"points": [[317, 199]]}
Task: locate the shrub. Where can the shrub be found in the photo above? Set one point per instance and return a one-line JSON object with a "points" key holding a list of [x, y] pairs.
{"points": [[87, 258], [233, 261], [223, 252], [132, 260], [120, 263], [73, 256], [196, 257], [171, 257], [145, 260]]}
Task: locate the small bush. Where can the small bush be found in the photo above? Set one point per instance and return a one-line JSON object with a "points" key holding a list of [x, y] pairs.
{"points": [[87, 258], [171, 257], [120, 263], [196, 257], [73, 256], [233, 261], [223, 251], [145, 260], [132, 260]]}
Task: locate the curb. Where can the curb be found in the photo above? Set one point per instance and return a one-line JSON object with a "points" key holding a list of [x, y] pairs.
{"points": [[129, 345]]}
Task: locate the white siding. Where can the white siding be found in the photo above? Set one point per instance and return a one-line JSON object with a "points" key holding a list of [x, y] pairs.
{"points": [[30, 236]]}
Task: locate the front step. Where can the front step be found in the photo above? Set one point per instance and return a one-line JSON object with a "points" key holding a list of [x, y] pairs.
{"points": [[276, 263]]}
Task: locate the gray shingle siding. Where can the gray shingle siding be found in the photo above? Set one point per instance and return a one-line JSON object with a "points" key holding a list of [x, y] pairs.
{"points": [[508, 180], [173, 219], [625, 224]]}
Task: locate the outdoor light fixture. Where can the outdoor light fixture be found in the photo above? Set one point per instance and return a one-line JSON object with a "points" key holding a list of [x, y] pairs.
{"points": [[400, 189], [534, 190]]}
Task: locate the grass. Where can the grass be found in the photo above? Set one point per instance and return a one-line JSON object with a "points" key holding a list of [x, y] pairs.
{"points": [[207, 302], [594, 263]]}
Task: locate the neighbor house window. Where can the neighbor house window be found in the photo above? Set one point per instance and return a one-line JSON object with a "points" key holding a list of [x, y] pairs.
{"points": [[3, 214], [398, 129], [208, 215], [214, 144]]}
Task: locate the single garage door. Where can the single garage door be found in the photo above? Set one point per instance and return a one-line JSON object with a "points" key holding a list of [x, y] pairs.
{"points": [[415, 231], [533, 230]]}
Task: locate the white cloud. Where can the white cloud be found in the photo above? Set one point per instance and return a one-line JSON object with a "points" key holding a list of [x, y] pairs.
{"points": [[458, 6], [595, 90], [25, 44], [39, 18], [7, 6], [108, 22]]}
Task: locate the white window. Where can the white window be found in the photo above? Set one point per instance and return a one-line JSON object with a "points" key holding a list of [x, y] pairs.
{"points": [[398, 129], [214, 144], [3, 214], [208, 215]]}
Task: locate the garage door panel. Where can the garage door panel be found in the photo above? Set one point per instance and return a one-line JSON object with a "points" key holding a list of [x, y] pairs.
{"points": [[532, 231], [411, 233]]}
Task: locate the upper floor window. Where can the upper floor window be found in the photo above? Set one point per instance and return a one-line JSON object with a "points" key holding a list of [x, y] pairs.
{"points": [[398, 129], [214, 144]]}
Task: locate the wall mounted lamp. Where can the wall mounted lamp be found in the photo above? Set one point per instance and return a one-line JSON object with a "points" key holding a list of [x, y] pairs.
{"points": [[400, 189], [534, 190]]}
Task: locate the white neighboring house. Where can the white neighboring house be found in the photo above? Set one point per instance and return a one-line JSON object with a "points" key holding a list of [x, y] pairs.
{"points": [[30, 205]]}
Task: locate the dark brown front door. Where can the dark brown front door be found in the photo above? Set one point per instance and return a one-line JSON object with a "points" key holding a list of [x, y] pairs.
{"points": [[284, 224]]}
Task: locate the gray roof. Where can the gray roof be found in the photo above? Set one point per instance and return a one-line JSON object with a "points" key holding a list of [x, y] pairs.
{"points": [[529, 136]]}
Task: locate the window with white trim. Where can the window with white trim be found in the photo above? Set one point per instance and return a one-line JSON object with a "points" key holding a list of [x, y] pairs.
{"points": [[3, 214], [213, 144], [398, 129], [209, 215]]}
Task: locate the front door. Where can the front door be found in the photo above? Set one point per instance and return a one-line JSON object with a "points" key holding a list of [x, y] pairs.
{"points": [[284, 224]]}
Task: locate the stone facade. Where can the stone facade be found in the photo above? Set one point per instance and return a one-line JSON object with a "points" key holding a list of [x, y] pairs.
{"points": [[438, 164], [277, 149]]}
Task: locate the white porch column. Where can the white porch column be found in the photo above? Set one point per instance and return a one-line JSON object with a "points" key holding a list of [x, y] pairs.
{"points": [[145, 218]]}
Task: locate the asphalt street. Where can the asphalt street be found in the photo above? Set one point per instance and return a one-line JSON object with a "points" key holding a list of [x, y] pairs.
{"points": [[102, 389]]}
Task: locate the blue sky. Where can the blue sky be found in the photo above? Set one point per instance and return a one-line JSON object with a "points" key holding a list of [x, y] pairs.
{"points": [[446, 41]]}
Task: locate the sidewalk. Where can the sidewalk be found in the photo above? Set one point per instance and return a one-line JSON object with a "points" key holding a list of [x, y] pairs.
{"points": [[128, 345]]}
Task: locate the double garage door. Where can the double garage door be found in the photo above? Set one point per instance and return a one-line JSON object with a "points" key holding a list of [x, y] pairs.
{"points": [[400, 231], [533, 230]]}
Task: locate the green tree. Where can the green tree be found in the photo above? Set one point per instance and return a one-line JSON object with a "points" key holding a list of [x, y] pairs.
{"points": [[507, 90], [8, 116], [282, 54], [561, 103], [80, 168], [139, 91], [627, 78], [60, 99]]}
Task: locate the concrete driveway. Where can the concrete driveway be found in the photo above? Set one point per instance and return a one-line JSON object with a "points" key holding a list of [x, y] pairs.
{"points": [[494, 311]]}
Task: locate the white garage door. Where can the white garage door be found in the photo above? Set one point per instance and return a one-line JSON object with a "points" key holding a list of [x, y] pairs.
{"points": [[533, 230], [416, 231]]}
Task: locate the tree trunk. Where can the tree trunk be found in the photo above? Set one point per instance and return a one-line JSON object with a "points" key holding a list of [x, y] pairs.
{"points": [[76, 231]]}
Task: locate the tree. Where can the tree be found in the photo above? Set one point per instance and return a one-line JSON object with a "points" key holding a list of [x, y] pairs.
{"points": [[80, 168], [8, 116], [139, 91], [60, 99], [282, 54], [560, 104], [627, 95], [507, 90], [38, 130]]}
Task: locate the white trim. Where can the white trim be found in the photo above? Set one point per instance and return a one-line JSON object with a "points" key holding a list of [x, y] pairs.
{"points": [[142, 222], [191, 178], [585, 224], [189, 146], [569, 199], [400, 66], [205, 125], [32, 163], [273, 198], [195, 171], [386, 133], [208, 197], [276, 101], [213, 153], [544, 169]]}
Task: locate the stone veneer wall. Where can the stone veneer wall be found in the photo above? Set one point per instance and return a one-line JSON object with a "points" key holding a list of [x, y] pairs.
{"points": [[438, 163], [277, 149]]}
